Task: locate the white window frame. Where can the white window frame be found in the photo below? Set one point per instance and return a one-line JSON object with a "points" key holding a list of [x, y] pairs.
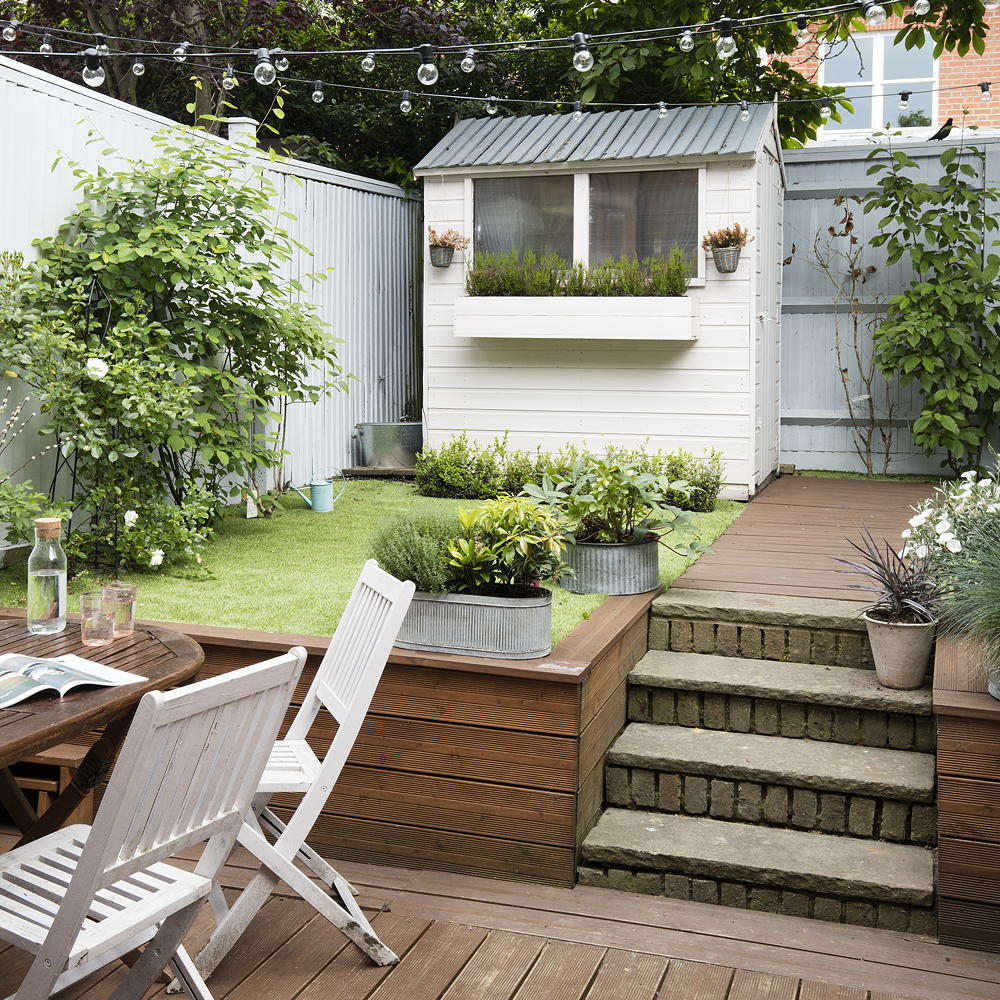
{"points": [[581, 204], [880, 93]]}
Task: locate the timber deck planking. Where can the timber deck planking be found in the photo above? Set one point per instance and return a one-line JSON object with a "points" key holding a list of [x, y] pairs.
{"points": [[783, 543]]}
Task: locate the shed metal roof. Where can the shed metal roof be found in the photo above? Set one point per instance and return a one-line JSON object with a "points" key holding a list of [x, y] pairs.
{"points": [[599, 136]]}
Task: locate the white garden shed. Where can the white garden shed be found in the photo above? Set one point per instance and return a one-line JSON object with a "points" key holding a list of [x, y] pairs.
{"points": [[695, 372]]}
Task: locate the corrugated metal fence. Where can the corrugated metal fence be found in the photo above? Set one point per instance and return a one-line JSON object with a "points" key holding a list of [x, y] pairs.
{"points": [[815, 422], [367, 231]]}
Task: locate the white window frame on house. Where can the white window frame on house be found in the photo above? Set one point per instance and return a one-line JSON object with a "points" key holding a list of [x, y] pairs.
{"points": [[880, 93], [581, 203]]}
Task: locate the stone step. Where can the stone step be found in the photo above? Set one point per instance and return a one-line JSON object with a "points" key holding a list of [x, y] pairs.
{"points": [[760, 626], [795, 700], [773, 781], [817, 875]]}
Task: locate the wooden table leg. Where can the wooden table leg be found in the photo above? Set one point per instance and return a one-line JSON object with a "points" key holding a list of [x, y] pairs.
{"points": [[92, 771], [13, 799]]}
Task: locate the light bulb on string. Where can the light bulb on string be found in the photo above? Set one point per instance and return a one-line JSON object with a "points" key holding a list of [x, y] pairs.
{"points": [[726, 44], [406, 105], [317, 94], [491, 105], [663, 112], [802, 32], [904, 101], [45, 48], [744, 111], [583, 58], [101, 46], [10, 30], [577, 111], [686, 44], [228, 78], [985, 95], [468, 63], [368, 63], [181, 52], [138, 67], [922, 7], [825, 110], [874, 14], [93, 71], [264, 72], [280, 60], [427, 72]]}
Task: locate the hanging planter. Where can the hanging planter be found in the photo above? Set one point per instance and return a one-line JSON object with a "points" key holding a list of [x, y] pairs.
{"points": [[727, 245], [443, 245]]}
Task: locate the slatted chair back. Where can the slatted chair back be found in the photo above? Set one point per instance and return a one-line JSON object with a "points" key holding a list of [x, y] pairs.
{"points": [[189, 768]]}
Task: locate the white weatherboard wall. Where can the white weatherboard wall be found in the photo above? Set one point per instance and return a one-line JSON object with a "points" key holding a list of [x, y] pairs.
{"points": [[366, 230], [718, 391]]}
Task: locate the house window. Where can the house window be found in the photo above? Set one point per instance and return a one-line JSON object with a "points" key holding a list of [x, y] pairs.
{"points": [[873, 72], [643, 214], [524, 213]]}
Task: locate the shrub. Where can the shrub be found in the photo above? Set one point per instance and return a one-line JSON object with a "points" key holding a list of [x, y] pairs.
{"points": [[415, 547]]}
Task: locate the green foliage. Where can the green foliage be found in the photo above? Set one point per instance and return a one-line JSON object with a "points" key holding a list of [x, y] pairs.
{"points": [[518, 274], [20, 504], [507, 542], [159, 336], [415, 547], [916, 118], [605, 500], [942, 332]]}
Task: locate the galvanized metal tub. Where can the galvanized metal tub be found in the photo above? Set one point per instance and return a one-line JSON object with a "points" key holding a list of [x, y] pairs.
{"points": [[612, 567], [390, 446], [501, 628]]}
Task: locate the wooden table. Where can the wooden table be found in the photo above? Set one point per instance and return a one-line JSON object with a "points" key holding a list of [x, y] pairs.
{"points": [[166, 658]]}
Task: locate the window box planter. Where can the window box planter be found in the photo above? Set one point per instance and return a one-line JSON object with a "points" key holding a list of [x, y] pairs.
{"points": [[506, 628], [563, 317], [613, 568]]}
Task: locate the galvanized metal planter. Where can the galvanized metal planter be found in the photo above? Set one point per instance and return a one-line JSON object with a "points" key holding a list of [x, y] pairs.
{"points": [[726, 259], [501, 628], [441, 256], [390, 445], [612, 568]]}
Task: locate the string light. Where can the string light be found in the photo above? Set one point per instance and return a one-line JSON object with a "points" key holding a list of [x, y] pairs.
{"points": [[985, 95], [577, 111], [663, 112], [10, 30], [802, 32], [686, 44], [138, 67], [264, 72], [181, 52], [875, 14], [368, 63], [280, 60], [228, 78], [744, 111], [904, 100], [93, 71], [427, 72], [45, 48], [583, 58], [317, 94], [468, 64], [101, 46], [491, 105], [922, 7], [406, 105], [825, 110], [726, 45]]}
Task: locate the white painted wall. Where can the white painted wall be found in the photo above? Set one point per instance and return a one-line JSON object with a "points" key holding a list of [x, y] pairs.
{"points": [[695, 395]]}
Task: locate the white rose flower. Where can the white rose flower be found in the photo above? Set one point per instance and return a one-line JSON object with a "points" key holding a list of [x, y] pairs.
{"points": [[954, 545], [921, 551], [156, 558], [130, 517], [96, 368]]}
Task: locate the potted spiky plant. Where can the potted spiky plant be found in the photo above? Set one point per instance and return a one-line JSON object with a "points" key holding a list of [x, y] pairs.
{"points": [[901, 620], [727, 245]]}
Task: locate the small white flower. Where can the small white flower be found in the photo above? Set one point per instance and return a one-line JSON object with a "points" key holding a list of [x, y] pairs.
{"points": [[130, 517], [954, 545], [946, 537], [921, 551], [942, 526], [983, 483], [906, 533], [993, 508], [96, 368], [156, 558], [918, 519], [971, 474]]}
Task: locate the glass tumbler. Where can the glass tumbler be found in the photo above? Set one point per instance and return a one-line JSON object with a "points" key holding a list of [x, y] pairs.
{"points": [[97, 624], [120, 599]]}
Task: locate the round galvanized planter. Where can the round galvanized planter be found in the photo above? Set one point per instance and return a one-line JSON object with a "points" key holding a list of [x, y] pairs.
{"points": [[612, 568], [901, 652], [726, 259], [441, 256], [504, 628]]}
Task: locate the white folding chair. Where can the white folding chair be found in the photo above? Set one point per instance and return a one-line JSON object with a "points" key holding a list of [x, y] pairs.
{"points": [[344, 685], [84, 896]]}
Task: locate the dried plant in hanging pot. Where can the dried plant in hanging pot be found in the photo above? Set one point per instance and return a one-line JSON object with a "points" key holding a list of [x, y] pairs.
{"points": [[443, 245], [726, 245]]}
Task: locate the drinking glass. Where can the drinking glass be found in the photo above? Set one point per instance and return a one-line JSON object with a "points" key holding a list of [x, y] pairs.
{"points": [[97, 624], [119, 600]]}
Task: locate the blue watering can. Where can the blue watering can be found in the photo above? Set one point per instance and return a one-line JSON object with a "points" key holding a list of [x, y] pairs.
{"points": [[320, 497]]}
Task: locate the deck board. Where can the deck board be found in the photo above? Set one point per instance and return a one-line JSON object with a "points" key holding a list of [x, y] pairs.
{"points": [[783, 543]]}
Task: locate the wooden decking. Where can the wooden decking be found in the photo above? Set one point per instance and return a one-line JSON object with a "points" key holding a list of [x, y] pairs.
{"points": [[467, 938], [783, 542]]}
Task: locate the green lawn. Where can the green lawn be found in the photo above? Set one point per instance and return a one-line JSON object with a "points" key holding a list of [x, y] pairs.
{"points": [[294, 572], [876, 477]]}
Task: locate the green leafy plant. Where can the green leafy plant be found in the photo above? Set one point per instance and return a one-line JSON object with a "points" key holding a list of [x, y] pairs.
{"points": [[20, 504], [415, 547], [942, 332]]}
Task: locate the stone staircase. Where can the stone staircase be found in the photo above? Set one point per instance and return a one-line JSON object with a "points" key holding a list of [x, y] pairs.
{"points": [[763, 767]]}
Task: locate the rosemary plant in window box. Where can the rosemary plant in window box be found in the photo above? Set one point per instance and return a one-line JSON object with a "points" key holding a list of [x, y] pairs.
{"points": [[727, 245], [443, 245], [617, 516], [478, 577]]}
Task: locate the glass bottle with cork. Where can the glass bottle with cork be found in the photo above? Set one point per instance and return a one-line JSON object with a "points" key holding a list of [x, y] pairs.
{"points": [[47, 579]]}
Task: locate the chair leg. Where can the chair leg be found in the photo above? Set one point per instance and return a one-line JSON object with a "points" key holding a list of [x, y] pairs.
{"points": [[189, 977], [319, 866]]}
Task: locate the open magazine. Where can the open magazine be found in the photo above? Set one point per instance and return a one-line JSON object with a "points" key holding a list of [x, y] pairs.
{"points": [[24, 676]]}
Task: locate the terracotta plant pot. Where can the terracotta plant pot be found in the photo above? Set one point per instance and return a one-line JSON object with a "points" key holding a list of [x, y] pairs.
{"points": [[901, 652], [441, 256]]}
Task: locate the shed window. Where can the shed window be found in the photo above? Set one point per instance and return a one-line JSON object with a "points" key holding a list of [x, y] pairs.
{"points": [[643, 214], [524, 213]]}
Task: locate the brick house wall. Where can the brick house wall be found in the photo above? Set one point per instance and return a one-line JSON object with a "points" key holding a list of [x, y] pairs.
{"points": [[953, 70]]}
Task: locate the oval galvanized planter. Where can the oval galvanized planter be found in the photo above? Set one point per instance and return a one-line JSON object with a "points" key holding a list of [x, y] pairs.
{"points": [[726, 259], [504, 628], [612, 568]]}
